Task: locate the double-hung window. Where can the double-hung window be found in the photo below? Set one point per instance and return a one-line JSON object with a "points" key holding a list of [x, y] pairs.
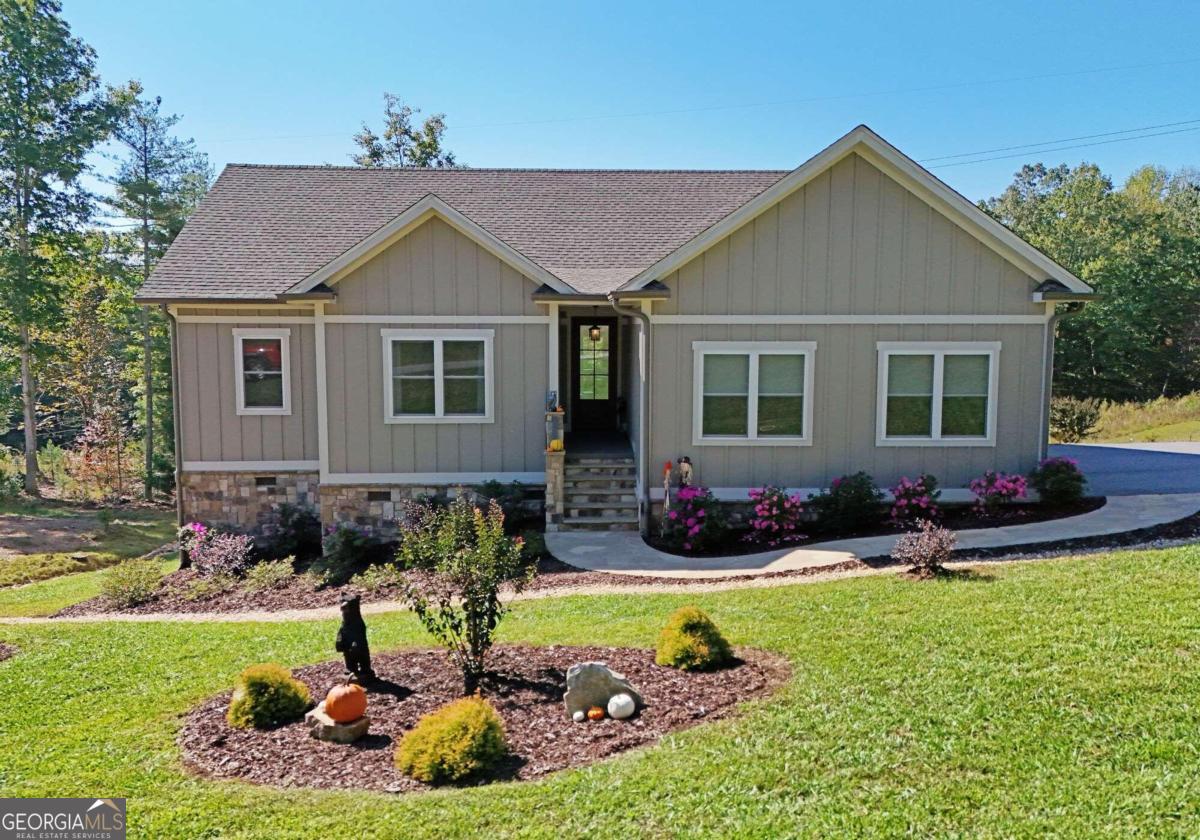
{"points": [[753, 392], [262, 371], [937, 393], [437, 376]]}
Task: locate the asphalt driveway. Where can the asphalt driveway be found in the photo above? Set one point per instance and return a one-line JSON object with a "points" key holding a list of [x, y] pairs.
{"points": [[1133, 469]]}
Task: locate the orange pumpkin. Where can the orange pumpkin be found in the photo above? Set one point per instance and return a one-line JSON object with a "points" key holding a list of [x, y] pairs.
{"points": [[595, 713], [346, 703]]}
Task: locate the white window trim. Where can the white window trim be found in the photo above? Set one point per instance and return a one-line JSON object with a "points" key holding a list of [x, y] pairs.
{"points": [[438, 337], [939, 350], [285, 354], [754, 349]]}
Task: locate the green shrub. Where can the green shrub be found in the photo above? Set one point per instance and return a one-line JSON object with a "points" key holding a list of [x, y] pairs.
{"points": [[691, 642], [199, 588], [131, 583], [851, 503], [297, 535], [452, 743], [348, 550], [106, 517], [269, 574], [1058, 481], [457, 559], [377, 578], [267, 695], [1072, 420]]}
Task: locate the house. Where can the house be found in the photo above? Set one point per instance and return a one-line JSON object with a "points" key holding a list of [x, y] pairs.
{"points": [[347, 338]]}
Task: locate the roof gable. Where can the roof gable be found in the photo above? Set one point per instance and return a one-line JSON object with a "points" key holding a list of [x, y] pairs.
{"points": [[898, 166]]}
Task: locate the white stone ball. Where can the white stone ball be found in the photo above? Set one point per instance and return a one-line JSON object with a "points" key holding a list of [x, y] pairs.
{"points": [[621, 706], [579, 717]]}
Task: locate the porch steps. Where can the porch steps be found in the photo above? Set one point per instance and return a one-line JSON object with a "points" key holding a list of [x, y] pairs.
{"points": [[600, 493]]}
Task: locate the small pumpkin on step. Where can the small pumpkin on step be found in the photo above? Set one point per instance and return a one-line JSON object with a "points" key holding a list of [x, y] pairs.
{"points": [[346, 702]]}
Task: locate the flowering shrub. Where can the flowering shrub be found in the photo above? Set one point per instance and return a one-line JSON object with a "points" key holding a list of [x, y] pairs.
{"points": [[994, 489], [851, 502], [776, 516], [223, 554], [695, 522], [191, 535], [1058, 481], [347, 550], [915, 500], [925, 550]]}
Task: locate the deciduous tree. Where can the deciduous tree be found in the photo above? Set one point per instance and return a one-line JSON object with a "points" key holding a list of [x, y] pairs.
{"points": [[403, 143]]}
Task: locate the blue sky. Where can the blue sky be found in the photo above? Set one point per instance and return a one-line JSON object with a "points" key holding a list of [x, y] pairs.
{"points": [[674, 85]]}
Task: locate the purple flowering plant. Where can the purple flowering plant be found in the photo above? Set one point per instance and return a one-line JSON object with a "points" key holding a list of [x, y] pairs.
{"points": [[776, 516], [994, 489], [695, 521], [915, 499]]}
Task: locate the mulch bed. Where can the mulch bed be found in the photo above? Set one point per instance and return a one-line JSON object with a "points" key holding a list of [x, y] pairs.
{"points": [[956, 517], [7, 651], [526, 687]]}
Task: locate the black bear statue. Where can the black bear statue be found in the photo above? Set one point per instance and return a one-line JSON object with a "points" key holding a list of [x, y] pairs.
{"points": [[351, 641]]}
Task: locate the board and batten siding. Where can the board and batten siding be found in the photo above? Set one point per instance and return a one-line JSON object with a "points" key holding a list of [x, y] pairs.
{"points": [[435, 270], [210, 428], [853, 241]]}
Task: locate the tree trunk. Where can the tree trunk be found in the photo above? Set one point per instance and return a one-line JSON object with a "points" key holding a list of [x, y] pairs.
{"points": [[29, 401], [148, 372]]}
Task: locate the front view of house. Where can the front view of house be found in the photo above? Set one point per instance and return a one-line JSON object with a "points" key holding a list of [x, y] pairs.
{"points": [[348, 338]]}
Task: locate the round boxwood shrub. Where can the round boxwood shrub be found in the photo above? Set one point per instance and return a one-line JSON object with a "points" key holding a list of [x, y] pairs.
{"points": [[452, 743], [1058, 481], [131, 583], [691, 642], [267, 695]]}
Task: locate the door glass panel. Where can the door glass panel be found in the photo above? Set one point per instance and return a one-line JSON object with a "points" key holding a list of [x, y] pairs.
{"points": [[593, 363]]}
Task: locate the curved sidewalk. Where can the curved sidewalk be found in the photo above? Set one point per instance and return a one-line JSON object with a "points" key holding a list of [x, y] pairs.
{"points": [[625, 553]]}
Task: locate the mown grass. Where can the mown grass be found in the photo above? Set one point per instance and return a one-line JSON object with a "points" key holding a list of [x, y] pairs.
{"points": [[1058, 698], [51, 595], [1164, 419], [131, 534]]}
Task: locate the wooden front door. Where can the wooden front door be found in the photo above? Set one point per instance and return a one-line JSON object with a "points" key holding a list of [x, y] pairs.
{"points": [[594, 375]]}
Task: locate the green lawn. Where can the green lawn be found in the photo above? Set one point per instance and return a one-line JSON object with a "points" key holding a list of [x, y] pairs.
{"points": [[1059, 698], [132, 533]]}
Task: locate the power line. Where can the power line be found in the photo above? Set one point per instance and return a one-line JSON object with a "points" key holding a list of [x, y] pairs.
{"points": [[1067, 148], [1061, 140]]}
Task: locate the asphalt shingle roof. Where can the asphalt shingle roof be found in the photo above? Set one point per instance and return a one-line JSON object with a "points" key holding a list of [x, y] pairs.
{"points": [[262, 229]]}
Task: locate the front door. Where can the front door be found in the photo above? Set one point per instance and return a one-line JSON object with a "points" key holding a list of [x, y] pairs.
{"points": [[594, 376]]}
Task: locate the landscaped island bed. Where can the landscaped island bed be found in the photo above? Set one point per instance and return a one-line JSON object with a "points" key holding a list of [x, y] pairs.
{"points": [[525, 686]]}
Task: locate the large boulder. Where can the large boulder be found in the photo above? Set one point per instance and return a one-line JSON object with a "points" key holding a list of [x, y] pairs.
{"points": [[594, 684], [324, 728]]}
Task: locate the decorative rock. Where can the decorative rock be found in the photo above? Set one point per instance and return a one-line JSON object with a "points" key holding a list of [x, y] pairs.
{"points": [[621, 706], [593, 684], [580, 716], [324, 728]]}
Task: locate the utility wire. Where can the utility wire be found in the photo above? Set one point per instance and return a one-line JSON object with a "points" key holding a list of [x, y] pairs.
{"points": [[1062, 140], [1066, 148]]}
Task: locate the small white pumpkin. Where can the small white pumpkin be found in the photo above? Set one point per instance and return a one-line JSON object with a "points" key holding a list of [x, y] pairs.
{"points": [[580, 716], [621, 706]]}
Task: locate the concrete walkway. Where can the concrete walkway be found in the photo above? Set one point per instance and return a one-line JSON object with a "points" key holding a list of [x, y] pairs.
{"points": [[625, 553]]}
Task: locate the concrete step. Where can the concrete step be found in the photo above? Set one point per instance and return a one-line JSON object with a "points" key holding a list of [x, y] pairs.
{"points": [[598, 460], [606, 496], [599, 523], [598, 471], [609, 509]]}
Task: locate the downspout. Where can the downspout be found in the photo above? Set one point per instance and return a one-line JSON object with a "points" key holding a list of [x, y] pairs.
{"points": [[645, 413], [1071, 308], [176, 422]]}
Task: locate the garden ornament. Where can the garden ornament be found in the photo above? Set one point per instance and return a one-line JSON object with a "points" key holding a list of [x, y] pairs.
{"points": [[685, 471], [351, 641]]}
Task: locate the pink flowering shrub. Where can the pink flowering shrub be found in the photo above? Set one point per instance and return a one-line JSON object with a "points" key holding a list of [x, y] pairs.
{"points": [[214, 553], [776, 518], [994, 489], [191, 535], [915, 500], [694, 521], [925, 550], [1058, 481]]}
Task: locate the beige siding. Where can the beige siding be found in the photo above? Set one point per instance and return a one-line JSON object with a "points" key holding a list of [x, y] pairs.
{"points": [[434, 270], [210, 427], [852, 241], [844, 408], [361, 442]]}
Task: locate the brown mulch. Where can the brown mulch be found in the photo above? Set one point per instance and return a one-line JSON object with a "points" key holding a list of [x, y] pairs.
{"points": [[7, 651], [526, 687], [956, 517]]}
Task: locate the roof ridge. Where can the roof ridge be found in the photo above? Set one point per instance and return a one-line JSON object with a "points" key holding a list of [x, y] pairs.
{"points": [[343, 167]]}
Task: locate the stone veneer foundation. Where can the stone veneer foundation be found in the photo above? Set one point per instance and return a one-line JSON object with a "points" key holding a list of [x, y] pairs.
{"points": [[249, 502], [245, 501]]}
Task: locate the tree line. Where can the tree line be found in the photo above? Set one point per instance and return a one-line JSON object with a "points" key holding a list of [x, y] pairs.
{"points": [[85, 369]]}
